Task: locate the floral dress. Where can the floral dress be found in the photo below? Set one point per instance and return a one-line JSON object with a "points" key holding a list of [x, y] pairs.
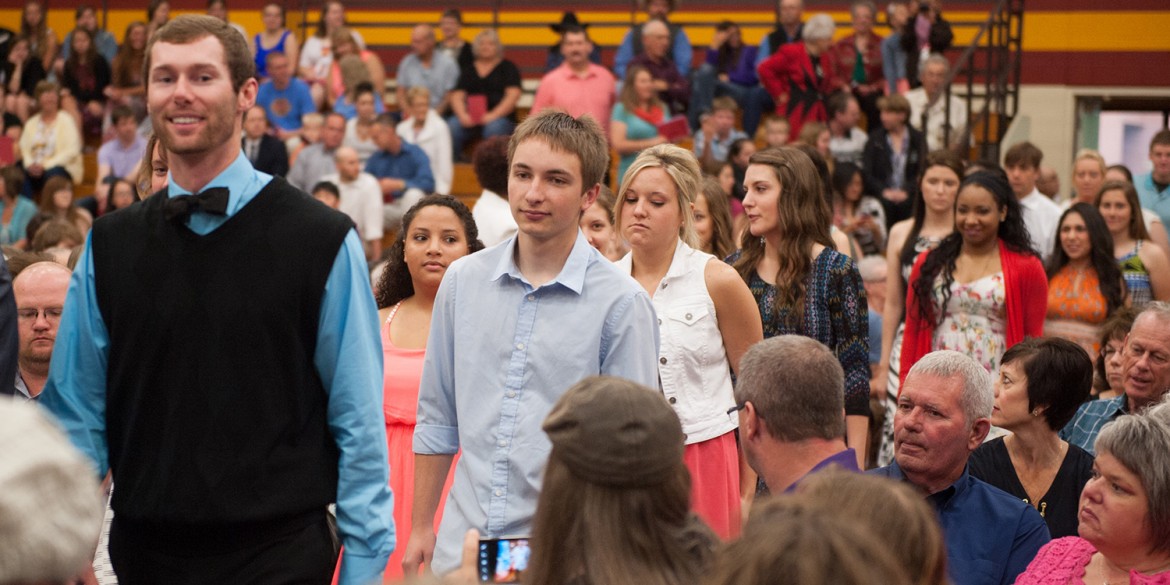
{"points": [[974, 320]]}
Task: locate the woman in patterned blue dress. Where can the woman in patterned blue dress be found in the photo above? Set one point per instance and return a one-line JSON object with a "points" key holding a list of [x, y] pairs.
{"points": [[800, 282]]}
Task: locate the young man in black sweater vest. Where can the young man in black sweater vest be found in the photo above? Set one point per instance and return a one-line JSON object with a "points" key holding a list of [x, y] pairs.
{"points": [[220, 353]]}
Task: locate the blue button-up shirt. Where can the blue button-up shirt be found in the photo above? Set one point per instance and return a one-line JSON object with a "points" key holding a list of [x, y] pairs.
{"points": [[991, 535], [410, 164], [500, 354], [1083, 429], [348, 359]]}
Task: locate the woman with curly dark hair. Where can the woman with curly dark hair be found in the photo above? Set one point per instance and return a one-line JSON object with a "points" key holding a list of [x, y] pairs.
{"points": [[983, 289], [1084, 281], [435, 232]]}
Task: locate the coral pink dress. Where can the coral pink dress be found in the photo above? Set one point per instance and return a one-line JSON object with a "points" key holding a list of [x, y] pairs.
{"points": [[402, 371]]}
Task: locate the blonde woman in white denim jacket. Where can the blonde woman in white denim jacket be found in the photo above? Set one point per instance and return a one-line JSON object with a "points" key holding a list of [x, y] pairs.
{"points": [[707, 319]]}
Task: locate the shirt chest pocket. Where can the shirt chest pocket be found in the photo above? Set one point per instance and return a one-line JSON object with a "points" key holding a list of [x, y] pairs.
{"points": [[688, 326]]}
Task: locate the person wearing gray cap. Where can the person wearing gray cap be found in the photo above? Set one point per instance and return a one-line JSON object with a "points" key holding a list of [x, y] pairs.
{"points": [[615, 505]]}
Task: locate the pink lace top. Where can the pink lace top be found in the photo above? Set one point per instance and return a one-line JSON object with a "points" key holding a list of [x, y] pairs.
{"points": [[1064, 560]]}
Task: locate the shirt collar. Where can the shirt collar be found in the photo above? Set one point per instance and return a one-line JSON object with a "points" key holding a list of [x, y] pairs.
{"points": [[572, 274], [1032, 200], [240, 172], [846, 460], [678, 265], [941, 498]]}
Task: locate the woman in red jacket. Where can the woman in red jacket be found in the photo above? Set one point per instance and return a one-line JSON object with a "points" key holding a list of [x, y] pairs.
{"points": [[983, 289], [799, 76]]}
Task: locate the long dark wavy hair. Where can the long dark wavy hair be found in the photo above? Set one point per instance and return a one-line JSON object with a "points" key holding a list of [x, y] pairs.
{"points": [[1100, 254], [938, 158], [804, 219], [941, 260], [395, 283]]}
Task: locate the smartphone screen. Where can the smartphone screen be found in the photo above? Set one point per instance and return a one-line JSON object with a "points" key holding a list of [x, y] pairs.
{"points": [[503, 560]]}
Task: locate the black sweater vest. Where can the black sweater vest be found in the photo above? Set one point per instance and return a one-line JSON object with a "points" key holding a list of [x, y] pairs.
{"points": [[215, 412]]}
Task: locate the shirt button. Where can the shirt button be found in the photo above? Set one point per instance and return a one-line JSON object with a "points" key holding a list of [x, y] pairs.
{"points": [[688, 316], [662, 360], [502, 443], [499, 493], [660, 321], [511, 394], [532, 297], [664, 285], [673, 400], [519, 346]]}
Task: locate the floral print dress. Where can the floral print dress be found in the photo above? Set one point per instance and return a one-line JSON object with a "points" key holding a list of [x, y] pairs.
{"points": [[974, 321]]}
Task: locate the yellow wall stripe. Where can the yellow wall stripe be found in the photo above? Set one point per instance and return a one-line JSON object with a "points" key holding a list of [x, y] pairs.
{"points": [[1077, 31]]}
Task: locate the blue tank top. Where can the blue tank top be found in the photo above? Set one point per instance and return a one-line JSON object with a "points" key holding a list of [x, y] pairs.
{"points": [[262, 53]]}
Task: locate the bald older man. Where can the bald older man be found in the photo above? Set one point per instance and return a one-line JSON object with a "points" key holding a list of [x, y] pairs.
{"points": [[40, 295], [361, 198], [426, 67]]}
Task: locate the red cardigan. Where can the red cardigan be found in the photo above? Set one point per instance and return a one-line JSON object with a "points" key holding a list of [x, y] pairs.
{"points": [[1026, 304]]}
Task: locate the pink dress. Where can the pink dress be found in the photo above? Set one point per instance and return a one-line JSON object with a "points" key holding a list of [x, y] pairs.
{"points": [[402, 371], [1064, 560]]}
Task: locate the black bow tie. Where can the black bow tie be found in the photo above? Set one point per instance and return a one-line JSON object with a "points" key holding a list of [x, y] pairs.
{"points": [[213, 201]]}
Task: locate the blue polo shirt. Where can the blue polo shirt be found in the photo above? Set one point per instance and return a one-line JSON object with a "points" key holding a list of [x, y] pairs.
{"points": [[991, 535]]}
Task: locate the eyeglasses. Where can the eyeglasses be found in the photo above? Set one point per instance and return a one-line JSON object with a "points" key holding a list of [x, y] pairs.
{"points": [[52, 314], [732, 412]]}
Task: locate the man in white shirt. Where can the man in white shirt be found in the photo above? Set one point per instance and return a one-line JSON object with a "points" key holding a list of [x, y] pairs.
{"points": [[928, 109], [1041, 215], [846, 140], [361, 199]]}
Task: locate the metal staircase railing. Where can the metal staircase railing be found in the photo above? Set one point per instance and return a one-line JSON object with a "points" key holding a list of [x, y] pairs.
{"points": [[987, 77]]}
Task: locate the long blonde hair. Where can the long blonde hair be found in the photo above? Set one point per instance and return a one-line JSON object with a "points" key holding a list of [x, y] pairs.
{"points": [[682, 167], [804, 219]]}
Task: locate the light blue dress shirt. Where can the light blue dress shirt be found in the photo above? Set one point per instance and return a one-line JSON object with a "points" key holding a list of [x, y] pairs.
{"points": [[500, 354], [1151, 198], [348, 359]]}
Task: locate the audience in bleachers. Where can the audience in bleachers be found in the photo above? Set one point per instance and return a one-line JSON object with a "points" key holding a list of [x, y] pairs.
{"points": [[359, 126], [265, 151], [960, 269], [678, 46], [789, 29], [85, 17], [360, 199], [316, 160], [452, 44], [857, 58], [578, 85], [800, 75], [286, 98], [556, 52], [730, 69], [942, 118], [316, 57], [483, 102], [50, 144], [402, 169], [423, 127], [275, 38], [429, 68], [127, 84], [893, 158]]}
